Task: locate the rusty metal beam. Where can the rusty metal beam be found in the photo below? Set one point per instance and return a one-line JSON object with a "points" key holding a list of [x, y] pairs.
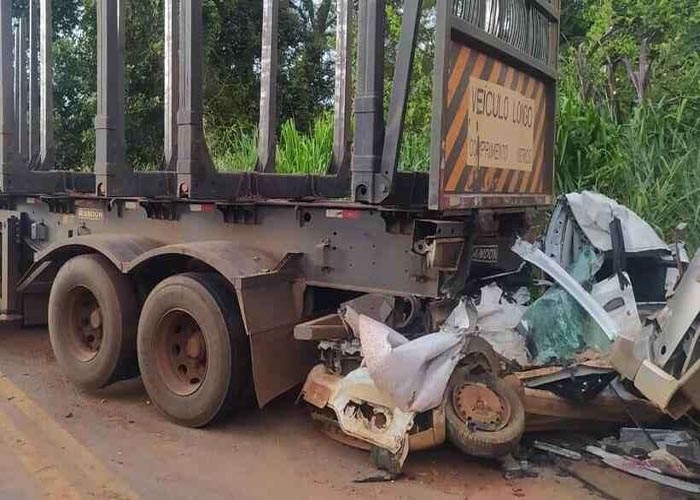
{"points": [[7, 103], [110, 148], [172, 79], [369, 108], [189, 116], [23, 91], [400, 90], [196, 174], [267, 140], [46, 62], [343, 88], [16, 75], [34, 99], [10, 240]]}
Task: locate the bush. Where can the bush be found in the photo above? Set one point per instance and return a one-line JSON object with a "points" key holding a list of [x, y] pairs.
{"points": [[649, 162]]}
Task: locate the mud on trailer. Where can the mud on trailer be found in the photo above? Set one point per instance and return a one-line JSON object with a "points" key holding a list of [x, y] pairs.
{"points": [[196, 279]]}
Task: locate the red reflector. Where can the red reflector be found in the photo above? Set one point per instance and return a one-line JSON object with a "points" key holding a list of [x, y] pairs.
{"points": [[352, 214]]}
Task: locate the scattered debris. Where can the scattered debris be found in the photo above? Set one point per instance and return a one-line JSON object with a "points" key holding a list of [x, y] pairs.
{"points": [[612, 484], [640, 468], [557, 450], [380, 477], [669, 464], [515, 469], [640, 442]]}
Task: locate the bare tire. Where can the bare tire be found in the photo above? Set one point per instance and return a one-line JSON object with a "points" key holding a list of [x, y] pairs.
{"points": [[193, 350], [92, 322], [485, 416]]}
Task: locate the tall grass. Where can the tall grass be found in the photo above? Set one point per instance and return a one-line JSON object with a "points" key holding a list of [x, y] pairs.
{"points": [[299, 153], [415, 151], [649, 161], [233, 149]]}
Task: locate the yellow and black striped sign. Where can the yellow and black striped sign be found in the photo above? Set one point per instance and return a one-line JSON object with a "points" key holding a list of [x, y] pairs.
{"points": [[458, 176]]}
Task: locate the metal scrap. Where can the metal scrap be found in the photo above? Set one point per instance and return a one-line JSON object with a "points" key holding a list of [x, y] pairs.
{"points": [[639, 468], [665, 363], [557, 450], [498, 319], [641, 442], [535, 256], [414, 374], [593, 213]]}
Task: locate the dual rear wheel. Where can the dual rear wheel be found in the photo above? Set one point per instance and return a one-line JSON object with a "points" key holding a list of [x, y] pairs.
{"points": [[189, 343]]}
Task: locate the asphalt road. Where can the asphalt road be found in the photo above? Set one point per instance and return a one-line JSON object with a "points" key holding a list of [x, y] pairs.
{"points": [[57, 442]]}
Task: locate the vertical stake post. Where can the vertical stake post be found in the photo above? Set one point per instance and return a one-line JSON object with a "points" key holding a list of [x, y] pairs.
{"points": [[369, 107], [400, 91], [110, 148], [7, 100], [343, 88], [46, 62], [267, 142], [195, 171], [23, 98], [34, 99], [172, 83]]}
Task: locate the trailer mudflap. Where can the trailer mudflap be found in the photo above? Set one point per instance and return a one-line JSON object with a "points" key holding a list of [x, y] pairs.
{"points": [[272, 305]]}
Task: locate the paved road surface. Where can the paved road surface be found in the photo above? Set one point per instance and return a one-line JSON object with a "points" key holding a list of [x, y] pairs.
{"points": [[57, 442]]}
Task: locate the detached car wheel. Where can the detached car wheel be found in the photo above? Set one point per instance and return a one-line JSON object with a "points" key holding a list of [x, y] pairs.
{"points": [[193, 350], [92, 322], [485, 416]]}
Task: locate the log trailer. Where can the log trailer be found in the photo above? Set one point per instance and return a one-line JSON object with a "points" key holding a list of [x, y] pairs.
{"points": [[196, 279]]}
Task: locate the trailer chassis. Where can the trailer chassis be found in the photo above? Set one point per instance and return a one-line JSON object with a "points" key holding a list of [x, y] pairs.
{"points": [[275, 240]]}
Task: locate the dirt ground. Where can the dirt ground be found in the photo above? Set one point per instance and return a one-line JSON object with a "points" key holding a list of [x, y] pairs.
{"points": [[57, 442]]}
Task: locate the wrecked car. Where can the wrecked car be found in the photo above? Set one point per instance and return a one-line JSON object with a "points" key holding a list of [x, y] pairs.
{"points": [[530, 349], [408, 395]]}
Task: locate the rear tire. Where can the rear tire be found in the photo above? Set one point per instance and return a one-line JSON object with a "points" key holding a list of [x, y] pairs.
{"points": [[193, 351], [92, 322]]}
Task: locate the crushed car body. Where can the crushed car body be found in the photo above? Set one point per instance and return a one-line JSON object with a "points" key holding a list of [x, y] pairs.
{"points": [[563, 340]]}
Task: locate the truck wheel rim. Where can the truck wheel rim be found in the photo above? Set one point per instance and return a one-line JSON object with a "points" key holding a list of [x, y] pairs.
{"points": [[480, 408], [181, 353], [86, 328]]}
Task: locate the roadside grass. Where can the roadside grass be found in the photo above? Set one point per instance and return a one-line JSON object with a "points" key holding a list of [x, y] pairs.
{"points": [[650, 162], [234, 149]]}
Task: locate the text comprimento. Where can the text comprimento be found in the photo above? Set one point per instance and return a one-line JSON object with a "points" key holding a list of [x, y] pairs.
{"points": [[500, 125]]}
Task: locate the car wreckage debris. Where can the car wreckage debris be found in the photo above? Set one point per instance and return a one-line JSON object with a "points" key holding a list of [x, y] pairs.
{"points": [[518, 353], [535, 256], [642, 469], [556, 450]]}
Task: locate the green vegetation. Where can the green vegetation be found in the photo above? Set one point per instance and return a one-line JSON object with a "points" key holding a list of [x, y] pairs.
{"points": [[629, 110]]}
